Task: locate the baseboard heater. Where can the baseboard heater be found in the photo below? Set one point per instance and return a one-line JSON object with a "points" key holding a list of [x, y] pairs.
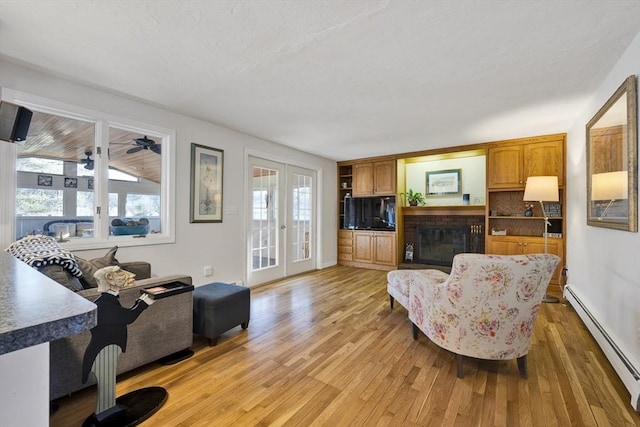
{"points": [[625, 369]]}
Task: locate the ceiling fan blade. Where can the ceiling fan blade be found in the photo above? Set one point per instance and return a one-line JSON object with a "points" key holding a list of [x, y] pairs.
{"points": [[134, 149], [155, 148], [144, 141]]}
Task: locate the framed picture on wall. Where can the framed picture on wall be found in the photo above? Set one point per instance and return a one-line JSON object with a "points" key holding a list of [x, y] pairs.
{"points": [[443, 182], [45, 180], [71, 182], [206, 183]]}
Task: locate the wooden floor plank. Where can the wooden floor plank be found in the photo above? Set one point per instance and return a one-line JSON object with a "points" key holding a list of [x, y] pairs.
{"points": [[325, 349]]}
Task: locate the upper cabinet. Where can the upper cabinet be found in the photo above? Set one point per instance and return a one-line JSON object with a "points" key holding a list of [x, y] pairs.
{"points": [[510, 164], [374, 178]]}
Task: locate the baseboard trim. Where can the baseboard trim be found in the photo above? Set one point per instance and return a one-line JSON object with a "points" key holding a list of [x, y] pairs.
{"points": [[624, 367]]}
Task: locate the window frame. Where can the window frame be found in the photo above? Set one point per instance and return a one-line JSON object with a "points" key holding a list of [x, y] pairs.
{"points": [[103, 121]]}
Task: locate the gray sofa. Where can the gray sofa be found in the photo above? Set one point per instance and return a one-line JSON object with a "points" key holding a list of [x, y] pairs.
{"points": [[164, 328]]}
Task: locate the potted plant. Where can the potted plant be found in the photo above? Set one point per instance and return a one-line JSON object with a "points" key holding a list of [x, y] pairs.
{"points": [[413, 198]]}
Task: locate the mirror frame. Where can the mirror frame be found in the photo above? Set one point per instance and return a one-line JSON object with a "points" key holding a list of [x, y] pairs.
{"points": [[628, 150]]}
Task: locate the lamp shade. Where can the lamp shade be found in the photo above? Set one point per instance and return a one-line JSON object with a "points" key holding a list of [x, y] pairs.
{"points": [[610, 186], [541, 189]]}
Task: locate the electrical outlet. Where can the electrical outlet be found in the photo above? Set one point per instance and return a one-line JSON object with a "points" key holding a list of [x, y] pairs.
{"points": [[208, 271]]}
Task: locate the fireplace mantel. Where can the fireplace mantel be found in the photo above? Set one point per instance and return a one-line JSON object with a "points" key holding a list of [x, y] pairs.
{"points": [[443, 210]]}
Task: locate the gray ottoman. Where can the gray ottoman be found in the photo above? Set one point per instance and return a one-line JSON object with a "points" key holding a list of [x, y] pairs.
{"points": [[218, 307]]}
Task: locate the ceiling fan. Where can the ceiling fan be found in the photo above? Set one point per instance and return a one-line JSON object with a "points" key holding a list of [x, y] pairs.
{"points": [[144, 144], [88, 162]]}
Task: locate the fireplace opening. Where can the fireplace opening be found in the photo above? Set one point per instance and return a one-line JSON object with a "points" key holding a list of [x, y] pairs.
{"points": [[438, 245]]}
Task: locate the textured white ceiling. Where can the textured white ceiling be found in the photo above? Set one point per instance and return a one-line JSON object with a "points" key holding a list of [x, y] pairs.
{"points": [[341, 79]]}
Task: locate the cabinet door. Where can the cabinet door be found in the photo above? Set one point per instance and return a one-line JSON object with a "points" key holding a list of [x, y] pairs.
{"points": [[363, 246], [385, 248], [504, 246], [363, 179], [544, 159], [505, 167], [384, 176], [554, 246]]}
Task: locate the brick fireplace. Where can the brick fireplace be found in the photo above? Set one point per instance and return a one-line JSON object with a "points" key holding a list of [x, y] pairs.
{"points": [[457, 233]]}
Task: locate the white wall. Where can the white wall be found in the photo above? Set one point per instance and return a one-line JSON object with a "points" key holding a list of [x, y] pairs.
{"points": [[473, 177], [604, 264], [219, 245]]}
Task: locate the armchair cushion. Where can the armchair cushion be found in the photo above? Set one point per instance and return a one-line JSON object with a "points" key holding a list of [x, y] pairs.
{"points": [[399, 282]]}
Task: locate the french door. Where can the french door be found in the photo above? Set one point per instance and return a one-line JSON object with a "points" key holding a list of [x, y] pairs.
{"points": [[281, 220]]}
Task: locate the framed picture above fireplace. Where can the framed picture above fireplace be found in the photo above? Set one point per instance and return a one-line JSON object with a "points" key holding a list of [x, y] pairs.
{"points": [[443, 183]]}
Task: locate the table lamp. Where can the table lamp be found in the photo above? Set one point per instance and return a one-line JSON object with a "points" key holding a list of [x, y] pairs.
{"points": [[609, 186], [543, 189]]}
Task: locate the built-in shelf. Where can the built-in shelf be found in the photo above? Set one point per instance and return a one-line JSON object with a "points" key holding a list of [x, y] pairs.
{"points": [[444, 210], [538, 218]]}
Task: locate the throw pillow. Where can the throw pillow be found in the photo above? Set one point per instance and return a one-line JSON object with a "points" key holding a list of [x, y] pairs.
{"points": [[62, 276], [90, 267]]}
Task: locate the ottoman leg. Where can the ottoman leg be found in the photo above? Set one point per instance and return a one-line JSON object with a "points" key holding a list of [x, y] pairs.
{"points": [[244, 325], [213, 342]]}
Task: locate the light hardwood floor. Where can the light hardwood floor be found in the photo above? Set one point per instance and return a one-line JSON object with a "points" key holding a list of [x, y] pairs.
{"points": [[324, 349]]}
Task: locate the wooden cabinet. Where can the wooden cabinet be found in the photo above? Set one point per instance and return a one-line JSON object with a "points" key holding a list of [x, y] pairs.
{"points": [[375, 178], [374, 247], [345, 245], [519, 245], [509, 165], [365, 248], [385, 248]]}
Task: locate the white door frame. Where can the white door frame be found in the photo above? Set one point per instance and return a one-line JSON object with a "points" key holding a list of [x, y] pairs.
{"points": [[317, 228]]}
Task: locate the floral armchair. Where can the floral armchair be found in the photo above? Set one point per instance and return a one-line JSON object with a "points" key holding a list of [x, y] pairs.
{"points": [[399, 282], [486, 308]]}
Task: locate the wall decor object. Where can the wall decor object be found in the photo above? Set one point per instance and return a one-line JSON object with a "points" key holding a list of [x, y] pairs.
{"points": [[553, 209], [612, 161], [45, 180], [90, 183], [71, 183], [443, 182], [206, 183]]}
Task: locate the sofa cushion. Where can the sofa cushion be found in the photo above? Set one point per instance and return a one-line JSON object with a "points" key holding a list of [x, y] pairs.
{"points": [[91, 266]]}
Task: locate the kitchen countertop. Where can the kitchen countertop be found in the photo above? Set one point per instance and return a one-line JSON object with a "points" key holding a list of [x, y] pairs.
{"points": [[34, 309]]}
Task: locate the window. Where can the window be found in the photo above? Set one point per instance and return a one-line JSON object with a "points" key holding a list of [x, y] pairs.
{"points": [[36, 202], [84, 207], [114, 174], [60, 167], [142, 205], [35, 164]]}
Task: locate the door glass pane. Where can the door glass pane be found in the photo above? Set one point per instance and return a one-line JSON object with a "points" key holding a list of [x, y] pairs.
{"points": [[265, 218], [301, 218], [135, 174]]}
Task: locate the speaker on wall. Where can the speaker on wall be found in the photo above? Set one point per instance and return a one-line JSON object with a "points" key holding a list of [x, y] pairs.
{"points": [[14, 122]]}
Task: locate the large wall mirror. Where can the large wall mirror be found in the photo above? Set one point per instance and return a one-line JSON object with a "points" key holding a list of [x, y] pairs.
{"points": [[612, 161]]}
